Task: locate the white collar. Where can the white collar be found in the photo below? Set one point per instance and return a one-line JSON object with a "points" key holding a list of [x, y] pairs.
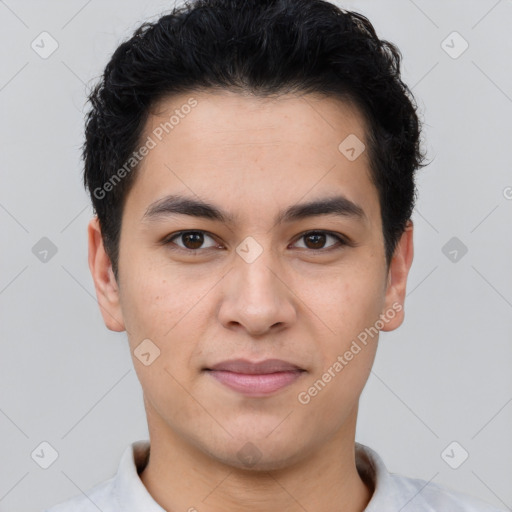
{"points": [[133, 496]]}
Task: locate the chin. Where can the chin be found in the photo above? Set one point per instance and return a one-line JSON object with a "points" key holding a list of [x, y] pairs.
{"points": [[258, 455]]}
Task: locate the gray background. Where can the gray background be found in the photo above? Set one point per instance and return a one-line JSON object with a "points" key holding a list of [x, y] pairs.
{"points": [[444, 376]]}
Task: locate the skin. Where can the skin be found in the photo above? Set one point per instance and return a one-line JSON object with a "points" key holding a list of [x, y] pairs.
{"points": [[252, 157]]}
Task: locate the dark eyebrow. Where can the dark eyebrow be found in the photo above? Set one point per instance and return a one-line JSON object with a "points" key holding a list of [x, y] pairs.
{"points": [[181, 205], [338, 205]]}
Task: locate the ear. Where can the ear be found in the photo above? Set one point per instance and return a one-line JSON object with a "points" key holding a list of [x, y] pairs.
{"points": [[107, 290], [397, 279]]}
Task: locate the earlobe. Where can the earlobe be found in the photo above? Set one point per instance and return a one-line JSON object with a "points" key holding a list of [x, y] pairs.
{"points": [[107, 290], [397, 280]]}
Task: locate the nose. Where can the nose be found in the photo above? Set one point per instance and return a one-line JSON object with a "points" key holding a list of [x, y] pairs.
{"points": [[256, 297]]}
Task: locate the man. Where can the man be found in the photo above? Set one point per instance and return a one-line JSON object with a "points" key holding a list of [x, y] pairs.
{"points": [[251, 164]]}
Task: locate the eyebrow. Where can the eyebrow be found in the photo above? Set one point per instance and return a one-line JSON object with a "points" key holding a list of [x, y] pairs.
{"points": [[182, 205]]}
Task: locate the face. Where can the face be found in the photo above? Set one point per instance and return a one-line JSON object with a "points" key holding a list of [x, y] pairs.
{"points": [[253, 274]]}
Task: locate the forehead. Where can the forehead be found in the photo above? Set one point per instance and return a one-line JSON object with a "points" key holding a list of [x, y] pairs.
{"points": [[254, 153]]}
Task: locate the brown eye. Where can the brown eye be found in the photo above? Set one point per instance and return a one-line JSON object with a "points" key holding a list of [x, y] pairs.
{"points": [[191, 240], [317, 239]]}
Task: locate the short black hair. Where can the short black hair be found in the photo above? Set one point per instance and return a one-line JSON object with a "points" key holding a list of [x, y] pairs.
{"points": [[265, 48]]}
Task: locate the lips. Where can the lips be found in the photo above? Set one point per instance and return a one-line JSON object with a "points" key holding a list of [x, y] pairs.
{"points": [[252, 368], [256, 379]]}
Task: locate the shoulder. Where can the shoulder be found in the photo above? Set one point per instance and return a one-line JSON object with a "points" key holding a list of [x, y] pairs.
{"points": [[123, 492], [99, 497], [393, 492], [423, 496]]}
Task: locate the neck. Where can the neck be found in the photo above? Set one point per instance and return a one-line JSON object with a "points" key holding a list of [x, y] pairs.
{"points": [[180, 477]]}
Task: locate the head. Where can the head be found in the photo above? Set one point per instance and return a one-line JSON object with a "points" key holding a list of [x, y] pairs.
{"points": [[243, 114]]}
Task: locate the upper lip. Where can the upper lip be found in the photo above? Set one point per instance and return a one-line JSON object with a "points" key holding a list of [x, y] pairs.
{"points": [[255, 368]]}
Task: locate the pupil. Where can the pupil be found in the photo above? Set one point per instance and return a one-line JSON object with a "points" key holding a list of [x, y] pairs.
{"points": [[198, 242], [319, 243]]}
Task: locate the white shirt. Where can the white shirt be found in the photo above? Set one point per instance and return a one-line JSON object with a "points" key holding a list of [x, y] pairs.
{"points": [[125, 492]]}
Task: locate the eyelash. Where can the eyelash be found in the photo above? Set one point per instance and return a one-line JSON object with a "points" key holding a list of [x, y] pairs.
{"points": [[341, 240]]}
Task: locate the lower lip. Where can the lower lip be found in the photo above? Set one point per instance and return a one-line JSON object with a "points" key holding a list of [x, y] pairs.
{"points": [[256, 385]]}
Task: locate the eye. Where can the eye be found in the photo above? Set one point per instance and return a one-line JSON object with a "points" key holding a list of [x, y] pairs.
{"points": [[316, 240], [192, 240]]}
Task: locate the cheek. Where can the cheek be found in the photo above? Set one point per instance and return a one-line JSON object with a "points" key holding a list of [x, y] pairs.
{"points": [[361, 303], [346, 301], [154, 298], [160, 304], [153, 311], [347, 352], [348, 305]]}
